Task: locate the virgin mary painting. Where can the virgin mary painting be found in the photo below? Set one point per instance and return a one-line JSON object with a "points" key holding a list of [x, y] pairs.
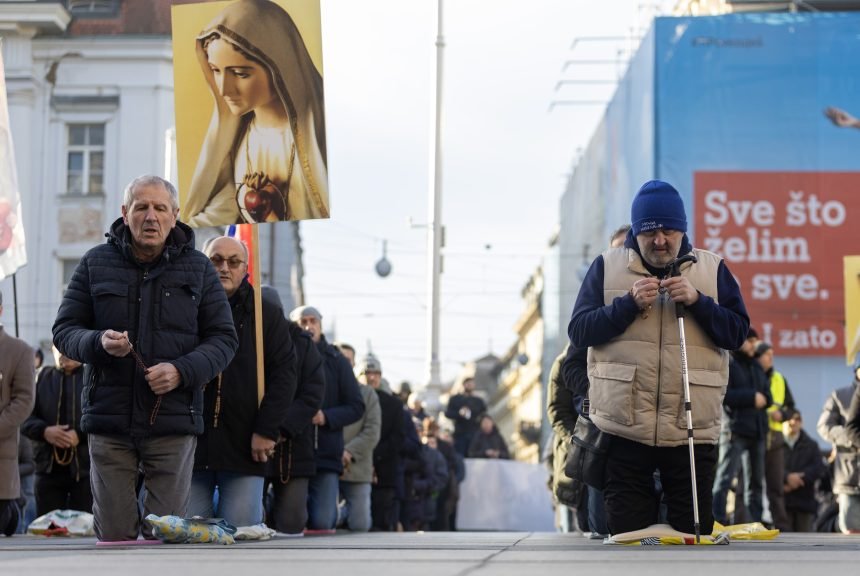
{"points": [[264, 155]]}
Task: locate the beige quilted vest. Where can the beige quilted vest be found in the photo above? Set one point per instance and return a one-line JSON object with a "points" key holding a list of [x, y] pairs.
{"points": [[636, 389]]}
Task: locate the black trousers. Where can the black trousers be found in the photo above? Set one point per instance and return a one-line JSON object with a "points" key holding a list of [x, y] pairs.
{"points": [[383, 509], [289, 510], [8, 517], [774, 476], [60, 491], [629, 494]]}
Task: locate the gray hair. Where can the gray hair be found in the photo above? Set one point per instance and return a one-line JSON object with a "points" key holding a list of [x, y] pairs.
{"points": [[150, 180], [620, 232]]}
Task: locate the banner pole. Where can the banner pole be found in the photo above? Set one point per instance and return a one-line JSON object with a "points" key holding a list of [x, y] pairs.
{"points": [[258, 311], [15, 301]]}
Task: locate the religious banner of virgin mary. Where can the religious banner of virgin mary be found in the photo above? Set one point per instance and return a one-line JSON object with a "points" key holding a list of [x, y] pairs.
{"points": [[250, 124], [13, 254]]}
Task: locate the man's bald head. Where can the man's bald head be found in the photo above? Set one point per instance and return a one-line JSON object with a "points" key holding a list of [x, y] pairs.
{"points": [[208, 246], [230, 258]]}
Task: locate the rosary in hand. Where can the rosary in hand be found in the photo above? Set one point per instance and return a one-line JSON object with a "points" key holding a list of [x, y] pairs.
{"points": [[142, 365]]}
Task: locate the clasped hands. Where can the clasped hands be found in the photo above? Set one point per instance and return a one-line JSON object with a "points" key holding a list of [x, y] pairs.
{"points": [[262, 448], [162, 378], [61, 436], [793, 481], [678, 288]]}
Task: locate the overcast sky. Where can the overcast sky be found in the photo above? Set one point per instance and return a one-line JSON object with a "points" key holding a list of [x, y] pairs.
{"points": [[507, 152]]}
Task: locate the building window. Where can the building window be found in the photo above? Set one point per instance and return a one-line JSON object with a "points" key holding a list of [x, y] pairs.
{"points": [[86, 159], [93, 8]]}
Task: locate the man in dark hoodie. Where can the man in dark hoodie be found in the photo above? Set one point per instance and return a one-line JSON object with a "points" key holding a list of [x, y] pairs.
{"points": [[342, 406], [744, 431], [147, 316], [242, 426]]}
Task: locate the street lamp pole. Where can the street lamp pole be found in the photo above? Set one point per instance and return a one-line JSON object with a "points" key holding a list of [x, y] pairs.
{"points": [[434, 238]]}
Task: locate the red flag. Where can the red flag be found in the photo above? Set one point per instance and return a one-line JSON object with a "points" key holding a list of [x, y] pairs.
{"points": [[244, 233]]}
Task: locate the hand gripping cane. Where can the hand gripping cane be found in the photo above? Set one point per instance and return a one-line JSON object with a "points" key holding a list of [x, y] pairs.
{"points": [[675, 270]]}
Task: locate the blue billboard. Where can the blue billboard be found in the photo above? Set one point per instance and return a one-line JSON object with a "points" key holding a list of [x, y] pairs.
{"points": [[754, 118]]}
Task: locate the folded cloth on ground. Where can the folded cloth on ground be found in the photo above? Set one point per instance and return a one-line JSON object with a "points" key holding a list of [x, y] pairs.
{"points": [[176, 530], [63, 523], [255, 532], [748, 531], [662, 534]]}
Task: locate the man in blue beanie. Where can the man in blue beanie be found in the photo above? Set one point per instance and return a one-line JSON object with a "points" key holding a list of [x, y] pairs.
{"points": [[625, 315]]}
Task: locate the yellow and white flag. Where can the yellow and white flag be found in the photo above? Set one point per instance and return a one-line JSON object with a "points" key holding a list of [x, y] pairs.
{"points": [[852, 308], [13, 252]]}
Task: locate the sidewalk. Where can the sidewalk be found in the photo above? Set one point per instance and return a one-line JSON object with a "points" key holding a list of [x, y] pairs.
{"points": [[433, 554]]}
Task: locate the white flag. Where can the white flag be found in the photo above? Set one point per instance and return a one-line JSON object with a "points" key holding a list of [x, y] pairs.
{"points": [[13, 253]]}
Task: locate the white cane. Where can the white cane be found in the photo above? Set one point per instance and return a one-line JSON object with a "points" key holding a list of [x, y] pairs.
{"points": [[679, 313]]}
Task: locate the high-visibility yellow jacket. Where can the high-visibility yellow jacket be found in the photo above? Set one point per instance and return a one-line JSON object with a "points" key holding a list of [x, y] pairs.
{"points": [[781, 399]]}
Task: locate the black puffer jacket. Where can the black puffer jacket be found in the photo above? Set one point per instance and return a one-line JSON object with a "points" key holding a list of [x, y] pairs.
{"points": [[805, 457], [294, 458], [230, 401], [174, 310], [58, 401], [342, 406], [386, 454], [746, 377]]}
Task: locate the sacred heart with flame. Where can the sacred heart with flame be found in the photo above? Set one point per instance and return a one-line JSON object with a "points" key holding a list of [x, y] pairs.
{"points": [[260, 200]]}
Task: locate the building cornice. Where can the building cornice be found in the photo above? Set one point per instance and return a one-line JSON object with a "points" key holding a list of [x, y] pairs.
{"points": [[22, 17], [106, 48]]}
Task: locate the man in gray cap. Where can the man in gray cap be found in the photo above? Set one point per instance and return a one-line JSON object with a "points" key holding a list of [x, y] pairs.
{"points": [[386, 454], [342, 406]]}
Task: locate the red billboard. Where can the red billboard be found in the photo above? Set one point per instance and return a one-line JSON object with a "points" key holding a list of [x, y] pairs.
{"points": [[783, 236]]}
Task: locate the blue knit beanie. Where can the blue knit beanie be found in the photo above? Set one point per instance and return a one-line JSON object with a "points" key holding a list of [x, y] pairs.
{"points": [[657, 205]]}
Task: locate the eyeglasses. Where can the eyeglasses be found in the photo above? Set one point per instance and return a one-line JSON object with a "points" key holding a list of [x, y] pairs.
{"points": [[233, 263]]}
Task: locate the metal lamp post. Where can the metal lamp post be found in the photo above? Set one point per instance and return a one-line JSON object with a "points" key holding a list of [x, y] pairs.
{"points": [[434, 238]]}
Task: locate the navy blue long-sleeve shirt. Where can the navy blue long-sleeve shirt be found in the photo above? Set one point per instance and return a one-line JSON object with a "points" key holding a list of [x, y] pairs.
{"points": [[592, 323]]}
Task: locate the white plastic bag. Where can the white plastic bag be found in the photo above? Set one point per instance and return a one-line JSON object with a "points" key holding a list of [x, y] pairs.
{"points": [[63, 523]]}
